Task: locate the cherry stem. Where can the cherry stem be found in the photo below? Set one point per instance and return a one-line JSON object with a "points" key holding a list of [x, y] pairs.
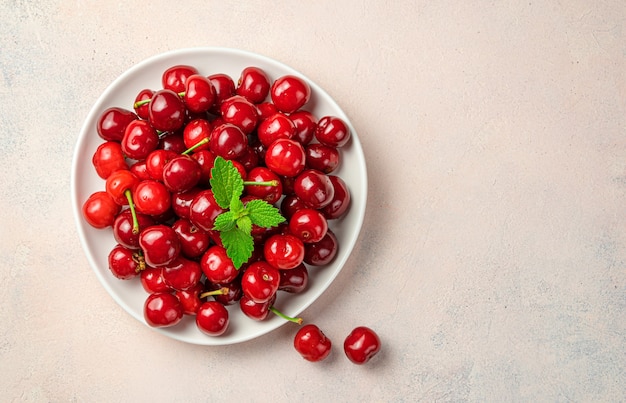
{"points": [[145, 101], [221, 291], [198, 144], [282, 315], [133, 214], [265, 183]]}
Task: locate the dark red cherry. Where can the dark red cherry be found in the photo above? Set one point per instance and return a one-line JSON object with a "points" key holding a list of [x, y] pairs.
{"points": [[141, 103], [323, 252], [193, 241], [322, 157], [182, 274], [340, 203], [112, 123], [228, 141], [181, 173], [166, 111], [139, 140], [332, 131], [123, 228], [314, 188], [204, 210], [224, 87], [295, 280], [305, 124]]}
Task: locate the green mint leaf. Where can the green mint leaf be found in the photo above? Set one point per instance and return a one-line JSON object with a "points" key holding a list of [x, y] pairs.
{"points": [[244, 223], [226, 182], [237, 207], [225, 221], [238, 245], [263, 214]]}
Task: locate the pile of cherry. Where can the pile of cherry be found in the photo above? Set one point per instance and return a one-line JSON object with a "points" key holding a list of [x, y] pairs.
{"points": [[157, 160]]}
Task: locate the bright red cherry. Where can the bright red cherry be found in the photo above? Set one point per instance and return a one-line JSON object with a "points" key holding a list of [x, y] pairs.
{"points": [[256, 310], [166, 111], [270, 194], [108, 158], [217, 266], [156, 161], [123, 228], [100, 210], [190, 298], [340, 203], [312, 343], [314, 188], [309, 225], [182, 200], [160, 245], [141, 103], [118, 183], [290, 93], [283, 251], [224, 87], [112, 123], [277, 126], [123, 262], [240, 112], [151, 198], [253, 84], [285, 157], [199, 94], [204, 210], [175, 77], [228, 141], [260, 281], [162, 310], [332, 131], [182, 274], [181, 173], [305, 123], [322, 157], [139, 140], [152, 280], [361, 345], [212, 318], [196, 131], [193, 241]]}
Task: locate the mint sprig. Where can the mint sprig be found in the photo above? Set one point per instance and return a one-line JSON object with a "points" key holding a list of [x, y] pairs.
{"points": [[235, 224]]}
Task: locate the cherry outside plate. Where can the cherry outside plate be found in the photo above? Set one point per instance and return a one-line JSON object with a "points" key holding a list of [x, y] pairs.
{"points": [[97, 243]]}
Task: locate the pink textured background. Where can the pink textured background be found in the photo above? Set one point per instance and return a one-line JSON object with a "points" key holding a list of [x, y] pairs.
{"points": [[492, 260]]}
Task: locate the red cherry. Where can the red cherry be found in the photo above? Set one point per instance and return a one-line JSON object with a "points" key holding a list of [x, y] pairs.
{"points": [[212, 318], [228, 141], [283, 251], [182, 200], [123, 228], [266, 109], [270, 194], [100, 210], [108, 158], [123, 262], [290, 93], [308, 225], [204, 210], [141, 103], [305, 124], [217, 266], [190, 298], [118, 183], [166, 111], [193, 241], [151, 198], [314, 188], [277, 126], [240, 112], [196, 131], [112, 123], [332, 131], [322, 157], [253, 84], [285, 157], [173, 141], [361, 345], [312, 343], [152, 280], [199, 94], [224, 87], [256, 310], [323, 252], [182, 274], [260, 281], [160, 245], [206, 159], [175, 77], [139, 169], [340, 203], [231, 297], [295, 280], [156, 161], [290, 204], [181, 173], [162, 310], [139, 140]]}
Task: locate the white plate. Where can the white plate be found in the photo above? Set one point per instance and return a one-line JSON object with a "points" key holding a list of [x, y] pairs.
{"points": [[97, 243]]}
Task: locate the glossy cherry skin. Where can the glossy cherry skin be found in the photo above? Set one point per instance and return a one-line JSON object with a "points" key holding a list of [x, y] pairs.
{"points": [[256, 310], [193, 241], [240, 112], [308, 225], [151, 198], [172, 141], [182, 200], [156, 161], [260, 281], [340, 203], [361, 345], [190, 298], [199, 94], [295, 280], [322, 157], [312, 343], [217, 266], [181, 173], [323, 252], [285, 157], [175, 77], [314, 188], [196, 131], [206, 159], [270, 194], [162, 310], [139, 169], [166, 111], [123, 262], [139, 140], [305, 124], [100, 210], [182, 274], [290, 204], [212, 318], [204, 210], [283, 251], [152, 280], [332, 131], [266, 109], [277, 126], [228, 141], [118, 183], [140, 106], [112, 123], [290, 93], [123, 228], [108, 158], [253, 84], [160, 245], [231, 297], [224, 87]]}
